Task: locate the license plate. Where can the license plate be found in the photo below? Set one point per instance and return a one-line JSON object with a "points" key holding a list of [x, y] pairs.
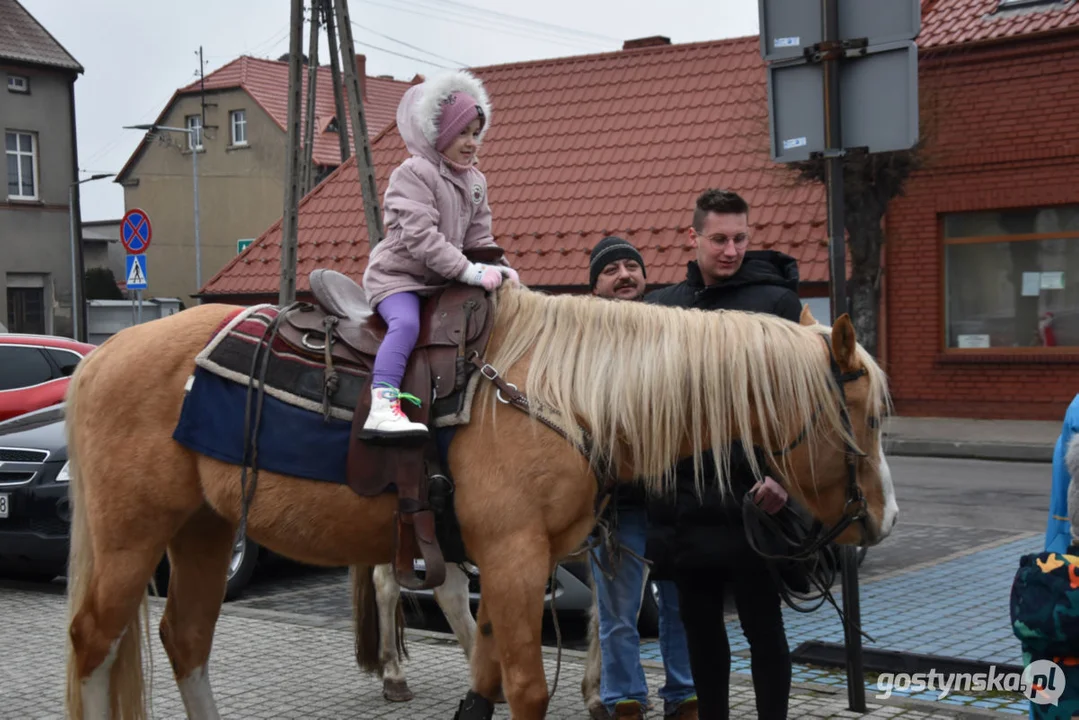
{"points": [[4, 506]]}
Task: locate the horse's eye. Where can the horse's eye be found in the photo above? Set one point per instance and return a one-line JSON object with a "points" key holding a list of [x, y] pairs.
{"points": [[873, 422]]}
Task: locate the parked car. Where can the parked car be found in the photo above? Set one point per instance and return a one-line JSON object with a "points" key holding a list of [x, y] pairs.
{"points": [[572, 593], [35, 513], [35, 371]]}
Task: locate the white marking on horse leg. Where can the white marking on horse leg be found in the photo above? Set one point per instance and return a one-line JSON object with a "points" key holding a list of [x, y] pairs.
{"points": [[891, 506], [590, 683], [95, 689], [197, 696], [452, 597], [387, 595]]}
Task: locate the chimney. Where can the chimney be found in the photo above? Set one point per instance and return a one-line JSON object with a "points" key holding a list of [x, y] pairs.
{"points": [[646, 42], [361, 73]]}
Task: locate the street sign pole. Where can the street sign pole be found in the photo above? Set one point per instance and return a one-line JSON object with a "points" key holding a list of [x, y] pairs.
{"points": [[831, 54]]}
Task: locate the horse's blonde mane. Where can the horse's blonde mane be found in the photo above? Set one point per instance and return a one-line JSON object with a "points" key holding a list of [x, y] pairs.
{"points": [[643, 378]]}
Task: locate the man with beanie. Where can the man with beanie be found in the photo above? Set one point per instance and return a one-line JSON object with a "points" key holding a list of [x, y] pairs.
{"points": [[616, 271]]}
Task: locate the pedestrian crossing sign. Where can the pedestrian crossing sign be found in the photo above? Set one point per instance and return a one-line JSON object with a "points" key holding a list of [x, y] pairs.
{"points": [[136, 272]]}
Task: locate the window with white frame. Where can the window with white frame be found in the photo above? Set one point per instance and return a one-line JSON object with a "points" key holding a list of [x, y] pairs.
{"points": [[18, 83], [21, 150], [238, 123], [194, 140]]}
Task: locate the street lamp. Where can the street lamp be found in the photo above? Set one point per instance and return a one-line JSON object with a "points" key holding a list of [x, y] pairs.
{"points": [[77, 301], [190, 132]]}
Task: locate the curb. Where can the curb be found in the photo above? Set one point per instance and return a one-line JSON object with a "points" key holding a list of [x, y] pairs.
{"points": [[924, 447]]}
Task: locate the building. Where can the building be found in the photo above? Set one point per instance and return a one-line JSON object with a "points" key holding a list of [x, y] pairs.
{"points": [[237, 115], [981, 298], [583, 147], [37, 114], [102, 249]]}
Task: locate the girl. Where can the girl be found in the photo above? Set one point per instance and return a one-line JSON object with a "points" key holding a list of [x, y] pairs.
{"points": [[435, 208]]}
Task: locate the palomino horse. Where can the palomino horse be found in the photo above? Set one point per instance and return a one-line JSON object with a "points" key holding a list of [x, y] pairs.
{"points": [[649, 385]]}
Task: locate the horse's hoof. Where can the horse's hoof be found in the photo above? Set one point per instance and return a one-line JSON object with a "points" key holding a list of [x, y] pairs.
{"points": [[396, 691], [500, 698]]}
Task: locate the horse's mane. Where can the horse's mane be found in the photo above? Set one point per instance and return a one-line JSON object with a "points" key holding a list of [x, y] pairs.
{"points": [[641, 377]]}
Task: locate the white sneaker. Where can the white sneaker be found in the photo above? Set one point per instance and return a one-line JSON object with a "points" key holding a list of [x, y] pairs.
{"points": [[387, 419]]}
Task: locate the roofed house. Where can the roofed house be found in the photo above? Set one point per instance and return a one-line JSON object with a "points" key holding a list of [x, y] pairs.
{"points": [[238, 117], [981, 288], [583, 147], [37, 116]]}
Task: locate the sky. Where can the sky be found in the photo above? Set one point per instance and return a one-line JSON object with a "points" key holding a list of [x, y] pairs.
{"points": [[138, 52]]}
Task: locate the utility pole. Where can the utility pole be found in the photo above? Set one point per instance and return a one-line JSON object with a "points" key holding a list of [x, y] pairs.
{"points": [[359, 125], [335, 75], [308, 176], [289, 224]]}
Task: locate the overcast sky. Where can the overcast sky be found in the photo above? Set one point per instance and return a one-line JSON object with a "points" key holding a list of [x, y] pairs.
{"points": [[137, 52]]}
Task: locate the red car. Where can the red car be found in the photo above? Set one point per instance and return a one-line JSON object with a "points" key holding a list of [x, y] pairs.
{"points": [[35, 371]]}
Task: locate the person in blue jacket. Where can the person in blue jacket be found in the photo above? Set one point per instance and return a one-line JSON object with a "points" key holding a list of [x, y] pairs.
{"points": [[1058, 531]]}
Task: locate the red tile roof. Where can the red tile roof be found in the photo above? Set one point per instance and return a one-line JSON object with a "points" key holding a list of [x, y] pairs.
{"points": [[266, 81], [953, 22], [24, 39], [582, 147]]}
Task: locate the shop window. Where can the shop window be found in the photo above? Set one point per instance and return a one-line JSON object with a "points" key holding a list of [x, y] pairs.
{"points": [[1012, 279]]}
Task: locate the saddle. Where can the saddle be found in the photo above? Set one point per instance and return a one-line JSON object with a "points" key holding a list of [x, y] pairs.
{"points": [[342, 330]]}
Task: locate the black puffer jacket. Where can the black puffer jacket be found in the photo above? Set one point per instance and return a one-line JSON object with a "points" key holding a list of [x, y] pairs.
{"points": [[683, 531]]}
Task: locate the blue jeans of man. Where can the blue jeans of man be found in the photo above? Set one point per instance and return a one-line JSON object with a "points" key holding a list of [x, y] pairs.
{"points": [[619, 602]]}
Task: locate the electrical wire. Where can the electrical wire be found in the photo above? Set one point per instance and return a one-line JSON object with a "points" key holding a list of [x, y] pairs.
{"points": [[413, 47], [528, 21]]}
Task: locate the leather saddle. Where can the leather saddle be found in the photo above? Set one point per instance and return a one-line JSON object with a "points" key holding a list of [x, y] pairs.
{"points": [[342, 329]]}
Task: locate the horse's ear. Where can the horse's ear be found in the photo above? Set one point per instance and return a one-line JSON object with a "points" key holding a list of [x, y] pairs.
{"points": [[807, 317], [844, 342]]}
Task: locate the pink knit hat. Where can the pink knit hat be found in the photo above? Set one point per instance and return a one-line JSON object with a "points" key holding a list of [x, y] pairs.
{"points": [[458, 110]]}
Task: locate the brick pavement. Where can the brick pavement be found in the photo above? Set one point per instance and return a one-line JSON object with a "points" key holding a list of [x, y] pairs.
{"points": [[281, 665]]}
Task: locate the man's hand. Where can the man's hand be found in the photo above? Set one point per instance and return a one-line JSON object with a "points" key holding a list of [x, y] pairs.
{"points": [[769, 496]]}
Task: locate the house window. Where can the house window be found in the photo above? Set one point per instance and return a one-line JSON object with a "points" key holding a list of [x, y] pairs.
{"points": [[26, 310], [1012, 279], [21, 149], [194, 140], [238, 123], [18, 83]]}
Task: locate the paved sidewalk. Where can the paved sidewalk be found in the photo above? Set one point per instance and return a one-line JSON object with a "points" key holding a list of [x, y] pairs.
{"points": [[285, 666], [954, 608], [1026, 440]]}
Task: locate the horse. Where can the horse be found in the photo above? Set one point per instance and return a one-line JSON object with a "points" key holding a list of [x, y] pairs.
{"points": [[633, 388]]}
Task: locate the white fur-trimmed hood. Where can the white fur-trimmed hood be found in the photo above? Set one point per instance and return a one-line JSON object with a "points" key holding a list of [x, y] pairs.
{"points": [[417, 114]]}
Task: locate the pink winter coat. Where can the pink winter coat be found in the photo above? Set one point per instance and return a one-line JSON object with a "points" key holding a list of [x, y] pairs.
{"points": [[432, 212]]}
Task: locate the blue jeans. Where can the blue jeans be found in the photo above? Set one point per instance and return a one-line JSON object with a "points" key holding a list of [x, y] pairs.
{"points": [[619, 602]]}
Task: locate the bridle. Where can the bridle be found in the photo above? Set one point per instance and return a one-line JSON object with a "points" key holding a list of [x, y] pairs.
{"points": [[809, 546]]}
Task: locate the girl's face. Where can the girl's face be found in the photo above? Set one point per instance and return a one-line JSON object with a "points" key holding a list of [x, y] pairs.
{"points": [[463, 148]]}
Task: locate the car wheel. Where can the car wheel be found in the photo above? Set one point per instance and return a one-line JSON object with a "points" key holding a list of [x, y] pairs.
{"points": [[241, 567], [648, 620]]}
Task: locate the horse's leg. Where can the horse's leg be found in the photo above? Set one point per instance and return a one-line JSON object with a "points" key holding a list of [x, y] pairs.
{"points": [[199, 557], [486, 670], [390, 635], [515, 573], [593, 667], [452, 597]]}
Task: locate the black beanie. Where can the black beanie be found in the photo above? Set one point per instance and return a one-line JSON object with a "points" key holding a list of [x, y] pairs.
{"points": [[608, 250]]}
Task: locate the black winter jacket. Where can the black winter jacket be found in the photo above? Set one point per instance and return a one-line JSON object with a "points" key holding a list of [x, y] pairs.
{"points": [[684, 532]]}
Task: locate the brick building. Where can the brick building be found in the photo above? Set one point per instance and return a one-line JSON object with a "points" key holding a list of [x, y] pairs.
{"points": [[981, 298]]}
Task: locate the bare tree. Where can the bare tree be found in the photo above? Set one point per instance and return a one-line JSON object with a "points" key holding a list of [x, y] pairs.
{"points": [[870, 181]]}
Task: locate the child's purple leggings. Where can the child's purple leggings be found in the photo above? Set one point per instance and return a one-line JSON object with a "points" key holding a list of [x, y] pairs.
{"points": [[401, 311]]}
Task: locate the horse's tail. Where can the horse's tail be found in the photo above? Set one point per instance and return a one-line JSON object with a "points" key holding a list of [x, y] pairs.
{"points": [[127, 693], [366, 623]]}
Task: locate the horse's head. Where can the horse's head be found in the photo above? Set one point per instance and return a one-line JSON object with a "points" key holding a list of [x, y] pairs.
{"points": [[846, 484]]}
